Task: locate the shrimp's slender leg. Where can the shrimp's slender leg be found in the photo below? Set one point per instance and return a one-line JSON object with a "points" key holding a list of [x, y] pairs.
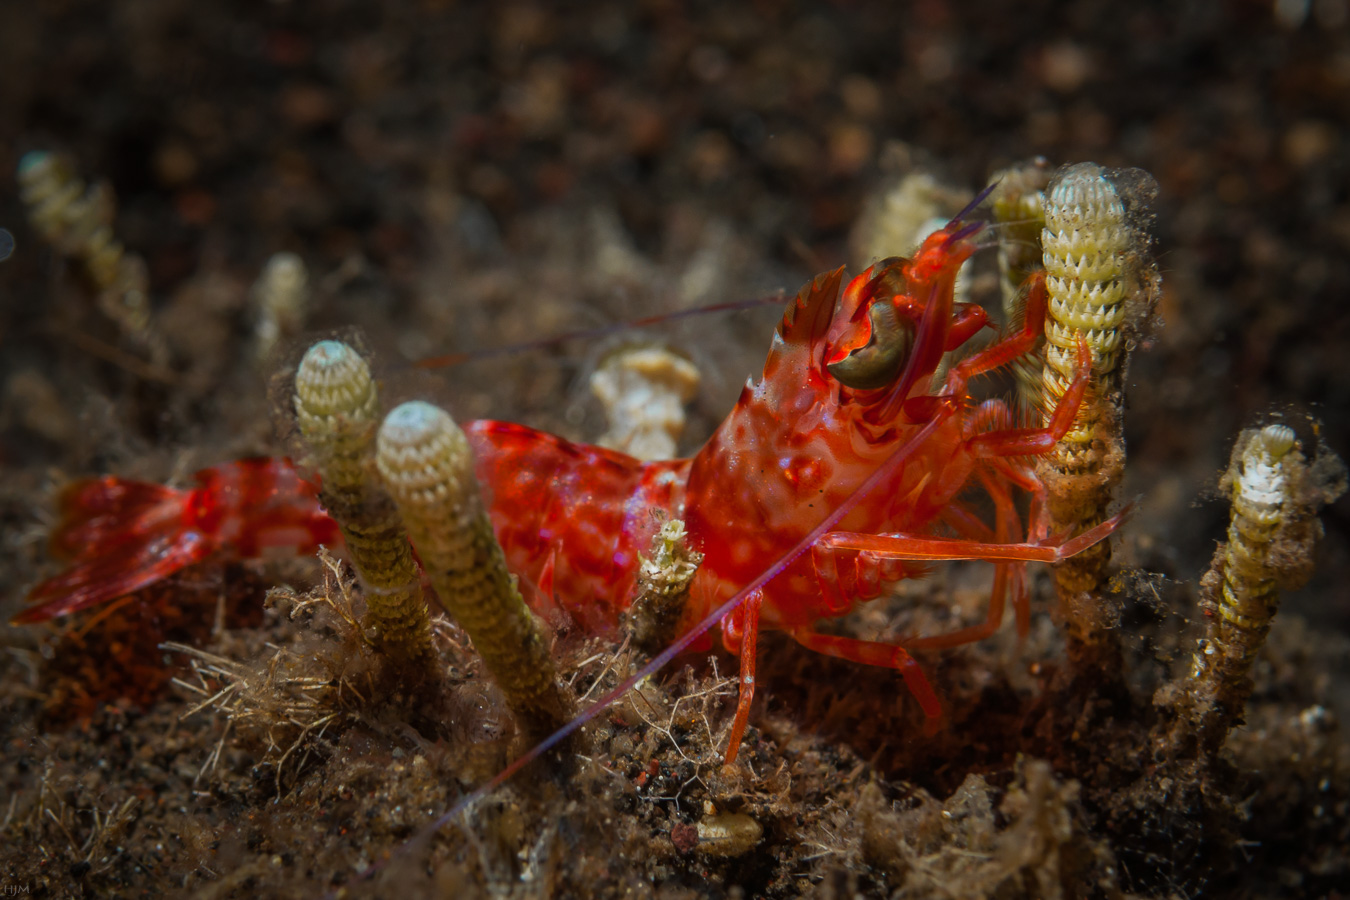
{"points": [[1018, 343], [966, 523], [933, 547], [1035, 441], [994, 415], [1001, 353], [749, 644], [1006, 530], [1024, 477], [925, 547], [864, 582], [967, 321], [875, 653]]}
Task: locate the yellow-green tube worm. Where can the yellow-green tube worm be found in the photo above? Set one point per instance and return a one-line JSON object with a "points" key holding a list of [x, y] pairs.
{"points": [[428, 467], [1273, 529], [337, 408], [78, 222], [1095, 265]]}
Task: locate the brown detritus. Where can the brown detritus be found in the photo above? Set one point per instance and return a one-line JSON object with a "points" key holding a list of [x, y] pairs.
{"points": [[315, 695], [684, 837], [657, 613], [91, 833], [1028, 840], [112, 655], [32, 402], [1293, 762], [287, 703]]}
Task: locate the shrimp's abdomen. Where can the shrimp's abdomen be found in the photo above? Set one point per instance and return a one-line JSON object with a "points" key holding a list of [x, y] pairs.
{"points": [[586, 510], [258, 506]]}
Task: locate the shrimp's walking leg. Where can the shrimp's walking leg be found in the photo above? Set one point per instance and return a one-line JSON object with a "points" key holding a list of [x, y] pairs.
{"points": [[1018, 343], [747, 618], [1006, 531], [1024, 477], [932, 547], [1036, 441], [878, 548], [996, 475], [875, 653], [870, 569]]}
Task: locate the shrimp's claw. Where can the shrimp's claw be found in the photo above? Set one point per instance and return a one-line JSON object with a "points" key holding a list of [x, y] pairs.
{"points": [[122, 535]]}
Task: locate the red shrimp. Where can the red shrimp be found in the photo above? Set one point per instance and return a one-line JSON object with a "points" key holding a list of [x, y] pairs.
{"points": [[847, 446]]}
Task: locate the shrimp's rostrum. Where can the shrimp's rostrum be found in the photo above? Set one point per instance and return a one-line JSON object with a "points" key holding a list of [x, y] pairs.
{"points": [[849, 386]]}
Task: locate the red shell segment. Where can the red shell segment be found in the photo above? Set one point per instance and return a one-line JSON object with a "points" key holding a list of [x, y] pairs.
{"points": [[590, 509]]}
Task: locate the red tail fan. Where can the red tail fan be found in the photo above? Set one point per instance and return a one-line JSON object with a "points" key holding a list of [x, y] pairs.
{"points": [[123, 535]]}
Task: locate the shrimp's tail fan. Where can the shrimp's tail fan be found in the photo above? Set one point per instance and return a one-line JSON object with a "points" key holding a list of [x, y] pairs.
{"points": [[119, 535]]}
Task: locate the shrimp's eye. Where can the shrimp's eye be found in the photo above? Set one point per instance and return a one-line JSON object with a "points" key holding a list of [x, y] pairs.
{"points": [[878, 362]]}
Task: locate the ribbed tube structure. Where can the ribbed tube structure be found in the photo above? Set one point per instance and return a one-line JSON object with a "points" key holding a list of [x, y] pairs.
{"points": [[427, 465], [1261, 487], [337, 408], [1084, 247], [1094, 265]]}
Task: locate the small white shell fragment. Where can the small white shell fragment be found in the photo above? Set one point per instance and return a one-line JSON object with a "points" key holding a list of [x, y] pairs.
{"points": [[644, 390], [728, 834]]}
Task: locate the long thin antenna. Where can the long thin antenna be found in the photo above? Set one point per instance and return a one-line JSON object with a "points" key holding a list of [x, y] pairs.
{"points": [[455, 359]]}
